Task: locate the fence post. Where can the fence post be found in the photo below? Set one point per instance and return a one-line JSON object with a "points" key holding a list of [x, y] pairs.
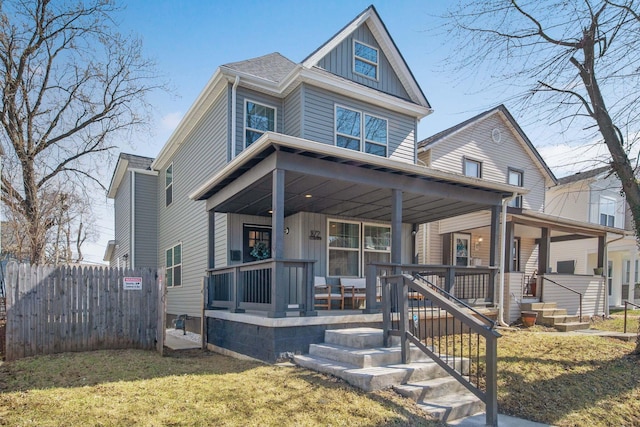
{"points": [[450, 279], [309, 289], [203, 319], [403, 307], [371, 305], [491, 402]]}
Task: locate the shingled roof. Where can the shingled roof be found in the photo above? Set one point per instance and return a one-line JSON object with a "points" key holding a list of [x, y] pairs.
{"points": [[137, 162], [273, 67], [579, 176]]}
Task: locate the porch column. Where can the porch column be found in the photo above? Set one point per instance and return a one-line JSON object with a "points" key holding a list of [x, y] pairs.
{"points": [[508, 247], [396, 227], [493, 238], [278, 302], [543, 251], [601, 245], [632, 275]]}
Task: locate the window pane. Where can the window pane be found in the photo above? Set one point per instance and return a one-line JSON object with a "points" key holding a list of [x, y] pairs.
{"points": [[347, 122], [365, 68], [177, 255], [168, 195], [252, 136], [515, 178], [169, 276], [260, 117], [375, 129], [344, 235], [168, 176], [378, 150], [366, 52], [472, 168], [169, 259], [343, 263], [377, 238], [177, 276], [350, 143]]}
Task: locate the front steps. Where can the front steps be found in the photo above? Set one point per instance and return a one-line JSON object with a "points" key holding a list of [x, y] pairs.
{"points": [[550, 315], [358, 357]]}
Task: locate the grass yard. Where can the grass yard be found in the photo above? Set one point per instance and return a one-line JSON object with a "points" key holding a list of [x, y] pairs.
{"points": [[616, 321], [558, 379]]}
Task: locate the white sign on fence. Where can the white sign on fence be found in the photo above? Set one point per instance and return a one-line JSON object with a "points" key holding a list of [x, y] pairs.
{"points": [[132, 283]]}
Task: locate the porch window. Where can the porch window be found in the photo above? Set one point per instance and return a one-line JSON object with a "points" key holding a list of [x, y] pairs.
{"points": [[472, 168], [515, 178], [173, 270], [168, 185], [377, 244], [256, 244], [365, 60], [344, 248], [350, 129], [607, 211], [258, 120]]}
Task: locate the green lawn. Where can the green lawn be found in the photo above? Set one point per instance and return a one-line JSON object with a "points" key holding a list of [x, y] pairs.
{"points": [[558, 379], [616, 322]]}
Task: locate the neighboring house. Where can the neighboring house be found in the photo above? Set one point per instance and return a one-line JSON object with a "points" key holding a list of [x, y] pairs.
{"points": [[282, 171], [492, 147], [595, 196]]}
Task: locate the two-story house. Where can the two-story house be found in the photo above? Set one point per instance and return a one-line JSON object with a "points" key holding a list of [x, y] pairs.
{"points": [[281, 173], [595, 196], [492, 147]]}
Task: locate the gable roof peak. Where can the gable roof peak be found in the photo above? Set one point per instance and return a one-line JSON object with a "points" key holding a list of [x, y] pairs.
{"points": [[582, 175], [272, 66]]}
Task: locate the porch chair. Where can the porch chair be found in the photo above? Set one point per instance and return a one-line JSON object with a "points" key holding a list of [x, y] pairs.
{"points": [[323, 292], [355, 289]]}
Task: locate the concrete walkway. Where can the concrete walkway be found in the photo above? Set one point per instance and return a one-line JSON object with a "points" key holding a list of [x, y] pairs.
{"points": [[503, 421], [176, 340], [629, 336]]}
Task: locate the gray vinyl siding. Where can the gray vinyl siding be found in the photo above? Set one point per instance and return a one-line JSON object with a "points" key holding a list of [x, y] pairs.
{"points": [[122, 220], [220, 251], [340, 61], [475, 142], [293, 117], [243, 94], [319, 121], [201, 154], [146, 221]]}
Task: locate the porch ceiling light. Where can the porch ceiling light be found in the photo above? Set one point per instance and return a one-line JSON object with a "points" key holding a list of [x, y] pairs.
{"points": [[308, 196], [270, 211]]}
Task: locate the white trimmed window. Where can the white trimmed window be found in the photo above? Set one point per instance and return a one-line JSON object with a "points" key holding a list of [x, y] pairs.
{"points": [[353, 245], [607, 211], [259, 119], [365, 60], [472, 168], [368, 135], [173, 269], [516, 178], [168, 185]]}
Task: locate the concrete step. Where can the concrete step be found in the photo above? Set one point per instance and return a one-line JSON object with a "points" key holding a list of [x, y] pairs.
{"points": [[357, 337], [374, 378], [364, 357], [453, 406], [552, 321], [571, 326], [546, 312], [534, 306], [423, 391]]}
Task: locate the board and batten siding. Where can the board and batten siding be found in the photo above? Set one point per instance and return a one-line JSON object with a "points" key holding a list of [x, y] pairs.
{"points": [[243, 94], [293, 116], [340, 61], [475, 142], [201, 154], [122, 221], [319, 122], [146, 221]]}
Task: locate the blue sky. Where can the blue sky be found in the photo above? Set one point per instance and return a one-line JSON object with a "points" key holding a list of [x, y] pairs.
{"points": [[189, 39]]}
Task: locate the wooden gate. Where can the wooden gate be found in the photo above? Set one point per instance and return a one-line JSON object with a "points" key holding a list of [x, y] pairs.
{"points": [[59, 309]]}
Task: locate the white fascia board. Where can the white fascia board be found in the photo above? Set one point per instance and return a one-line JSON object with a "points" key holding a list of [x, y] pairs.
{"points": [[118, 174], [333, 83], [109, 251], [278, 139]]}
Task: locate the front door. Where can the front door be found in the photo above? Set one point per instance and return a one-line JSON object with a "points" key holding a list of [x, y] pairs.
{"points": [[461, 254], [256, 242]]}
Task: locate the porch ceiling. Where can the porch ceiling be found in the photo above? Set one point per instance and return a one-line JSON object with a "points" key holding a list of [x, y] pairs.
{"points": [[319, 180]]}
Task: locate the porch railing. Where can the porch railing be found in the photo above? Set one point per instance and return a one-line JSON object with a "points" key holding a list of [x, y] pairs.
{"points": [[274, 286], [626, 308], [455, 335]]}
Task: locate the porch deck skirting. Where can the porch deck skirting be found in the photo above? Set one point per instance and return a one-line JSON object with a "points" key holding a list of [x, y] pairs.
{"points": [[273, 339]]}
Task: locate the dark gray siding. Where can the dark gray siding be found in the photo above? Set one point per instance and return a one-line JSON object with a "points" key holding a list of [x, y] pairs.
{"points": [[340, 61], [122, 220], [146, 221], [319, 125], [200, 155], [293, 117], [270, 101]]}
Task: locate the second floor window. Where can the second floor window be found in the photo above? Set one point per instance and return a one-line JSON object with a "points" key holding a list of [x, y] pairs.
{"points": [[168, 185], [258, 120], [607, 211], [515, 178], [472, 168], [350, 128], [365, 60], [173, 271]]}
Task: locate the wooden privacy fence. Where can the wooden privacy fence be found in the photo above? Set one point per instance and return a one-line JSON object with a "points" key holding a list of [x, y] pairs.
{"points": [[59, 309]]}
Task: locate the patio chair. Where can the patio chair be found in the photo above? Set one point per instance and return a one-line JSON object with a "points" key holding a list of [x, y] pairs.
{"points": [[355, 289], [324, 292]]}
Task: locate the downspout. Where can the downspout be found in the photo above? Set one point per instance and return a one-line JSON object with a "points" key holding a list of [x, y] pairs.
{"points": [[233, 116], [503, 240], [605, 267]]}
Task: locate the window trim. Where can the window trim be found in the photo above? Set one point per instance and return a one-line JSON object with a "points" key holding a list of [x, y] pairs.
{"points": [[517, 202], [168, 186], [358, 249], [244, 120], [166, 267], [466, 159], [360, 58], [363, 137]]}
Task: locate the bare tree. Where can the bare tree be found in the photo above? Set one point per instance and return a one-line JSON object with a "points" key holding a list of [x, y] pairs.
{"points": [[70, 85], [575, 61]]}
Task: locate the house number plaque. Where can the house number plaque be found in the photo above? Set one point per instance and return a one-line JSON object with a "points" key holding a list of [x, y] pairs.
{"points": [[314, 235]]}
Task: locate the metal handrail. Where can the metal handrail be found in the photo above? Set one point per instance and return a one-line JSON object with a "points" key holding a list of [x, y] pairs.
{"points": [[490, 321], [569, 289], [626, 304]]}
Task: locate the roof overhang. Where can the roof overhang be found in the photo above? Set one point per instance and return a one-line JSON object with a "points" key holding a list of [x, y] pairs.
{"points": [[563, 226], [335, 181], [116, 179], [111, 246]]}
